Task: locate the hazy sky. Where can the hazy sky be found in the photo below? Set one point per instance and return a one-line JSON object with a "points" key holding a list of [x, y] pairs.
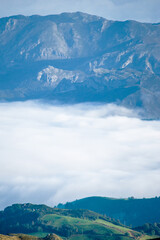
{"points": [[141, 10], [52, 154]]}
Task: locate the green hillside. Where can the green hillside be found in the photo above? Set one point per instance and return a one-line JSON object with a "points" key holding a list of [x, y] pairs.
{"points": [[131, 212], [40, 220]]}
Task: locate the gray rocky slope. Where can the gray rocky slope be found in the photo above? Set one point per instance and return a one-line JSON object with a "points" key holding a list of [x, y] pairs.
{"points": [[76, 57]]}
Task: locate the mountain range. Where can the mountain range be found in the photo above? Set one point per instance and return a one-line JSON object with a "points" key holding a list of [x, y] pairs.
{"points": [[76, 57], [130, 211], [54, 224]]}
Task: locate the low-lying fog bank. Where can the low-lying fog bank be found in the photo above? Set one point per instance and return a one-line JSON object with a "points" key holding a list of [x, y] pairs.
{"points": [[51, 154]]}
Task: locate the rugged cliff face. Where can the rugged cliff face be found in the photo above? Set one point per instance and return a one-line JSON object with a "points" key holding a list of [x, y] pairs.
{"points": [[76, 57]]}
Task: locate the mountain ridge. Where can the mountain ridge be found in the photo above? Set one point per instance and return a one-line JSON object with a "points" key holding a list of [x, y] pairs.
{"points": [[77, 57], [41, 221], [130, 211]]}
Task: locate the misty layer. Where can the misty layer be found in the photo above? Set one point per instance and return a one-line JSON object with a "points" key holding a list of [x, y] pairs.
{"points": [[53, 154]]}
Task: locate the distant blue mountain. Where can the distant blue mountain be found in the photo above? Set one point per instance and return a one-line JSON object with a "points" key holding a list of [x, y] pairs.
{"points": [[131, 211], [76, 57]]}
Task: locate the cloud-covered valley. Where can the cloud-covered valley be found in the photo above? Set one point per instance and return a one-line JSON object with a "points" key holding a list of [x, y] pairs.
{"points": [[58, 153]]}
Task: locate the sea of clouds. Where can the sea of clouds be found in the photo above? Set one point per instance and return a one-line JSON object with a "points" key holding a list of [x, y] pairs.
{"points": [[56, 153]]}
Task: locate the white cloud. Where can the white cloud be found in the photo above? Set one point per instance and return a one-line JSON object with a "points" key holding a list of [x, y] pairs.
{"points": [[51, 154]]}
